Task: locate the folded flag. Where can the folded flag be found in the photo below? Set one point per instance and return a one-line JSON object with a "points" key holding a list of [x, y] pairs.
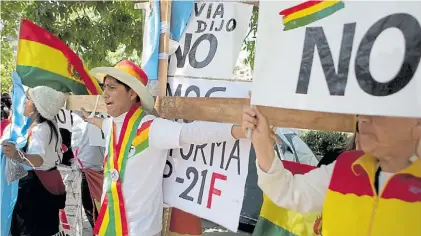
{"points": [[308, 12], [278, 221], [43, 59]]}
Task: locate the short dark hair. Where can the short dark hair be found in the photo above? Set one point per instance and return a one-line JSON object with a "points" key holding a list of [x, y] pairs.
{"points": [[125, 86], [6, 105]]}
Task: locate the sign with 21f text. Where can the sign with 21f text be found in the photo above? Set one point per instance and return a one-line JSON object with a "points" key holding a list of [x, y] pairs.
{"points": [[212, 41], [208, 180], [357, 57]]}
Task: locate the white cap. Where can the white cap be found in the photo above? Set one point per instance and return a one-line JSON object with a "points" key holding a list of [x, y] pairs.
{"points": [[47, 101]]}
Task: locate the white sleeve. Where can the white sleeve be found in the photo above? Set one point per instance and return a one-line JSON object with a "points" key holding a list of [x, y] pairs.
{"points": [[106, 126], [166, 134], [301, 193], [38, 142]]}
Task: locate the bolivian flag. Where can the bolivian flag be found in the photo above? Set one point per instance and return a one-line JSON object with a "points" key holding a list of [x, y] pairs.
{"points": [[278, 221], [43, 59]]}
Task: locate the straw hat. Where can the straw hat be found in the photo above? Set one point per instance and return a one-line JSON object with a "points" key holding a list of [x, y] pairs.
{"points": [[131, 75]]}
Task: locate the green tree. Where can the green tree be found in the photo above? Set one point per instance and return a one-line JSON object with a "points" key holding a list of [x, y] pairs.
{"points": [[250, 40], [93, 29], [321, 142], [7, 66]]}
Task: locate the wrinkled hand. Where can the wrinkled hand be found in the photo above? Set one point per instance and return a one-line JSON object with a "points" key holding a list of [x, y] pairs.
{"points": [[9, 149], [262, 135]]}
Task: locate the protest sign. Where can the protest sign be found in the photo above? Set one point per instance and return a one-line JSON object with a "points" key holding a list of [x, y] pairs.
{"points": [[355, 57], [71, 216], [65, 119], [208, 180], [212, 40]]}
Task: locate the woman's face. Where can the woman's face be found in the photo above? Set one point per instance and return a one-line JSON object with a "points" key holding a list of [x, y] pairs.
{"points": [[29, 107], [388, 136], [118, 99]]}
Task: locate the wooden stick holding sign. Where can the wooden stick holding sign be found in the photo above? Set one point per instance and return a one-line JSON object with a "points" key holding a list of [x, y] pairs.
{"points": [[229, 110], [164, 42]]}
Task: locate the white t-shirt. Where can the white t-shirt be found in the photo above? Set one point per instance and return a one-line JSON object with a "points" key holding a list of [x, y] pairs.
{"points": [[39, 143], [142, 186], [92, 157]]}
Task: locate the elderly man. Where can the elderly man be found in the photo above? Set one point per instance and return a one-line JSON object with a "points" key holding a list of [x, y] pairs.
{"points": [[373, 192]]}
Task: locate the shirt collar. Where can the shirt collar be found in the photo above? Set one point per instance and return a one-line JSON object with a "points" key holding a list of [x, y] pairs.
{"points": [[120, 119], [369, 164]]}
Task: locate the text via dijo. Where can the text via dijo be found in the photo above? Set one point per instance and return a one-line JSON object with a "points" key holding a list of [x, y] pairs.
{"points": [[210, 19]]}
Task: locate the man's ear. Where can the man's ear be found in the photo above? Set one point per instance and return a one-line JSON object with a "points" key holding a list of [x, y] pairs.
{"points": [[133, 95]]}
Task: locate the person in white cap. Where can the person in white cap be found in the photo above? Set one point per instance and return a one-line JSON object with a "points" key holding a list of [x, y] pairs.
{"points": [[41, 192], [137, 148]]}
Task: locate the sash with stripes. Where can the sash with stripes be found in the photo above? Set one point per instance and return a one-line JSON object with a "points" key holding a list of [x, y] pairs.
{"points": [[112, 218]]}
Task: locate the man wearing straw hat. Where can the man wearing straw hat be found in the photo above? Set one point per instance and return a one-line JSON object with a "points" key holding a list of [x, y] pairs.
{"points": [[136, 151]]}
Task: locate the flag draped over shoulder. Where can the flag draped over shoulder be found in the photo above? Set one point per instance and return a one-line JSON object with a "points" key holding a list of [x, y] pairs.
{"points": [[18, 134], [43, 59], [278, 221]]}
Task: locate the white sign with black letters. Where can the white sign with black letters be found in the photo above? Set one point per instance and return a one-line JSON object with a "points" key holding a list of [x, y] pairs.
{"points": [[208, 180], [64, 119], [358, 57], [212, 41]]}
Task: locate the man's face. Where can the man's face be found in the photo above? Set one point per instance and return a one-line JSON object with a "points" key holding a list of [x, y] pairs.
{"points": [[118, 99], [388, 136]]}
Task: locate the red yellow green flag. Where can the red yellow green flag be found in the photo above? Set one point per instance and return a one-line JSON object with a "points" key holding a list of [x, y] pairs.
{"points": [[277, 221], [43, 59]]}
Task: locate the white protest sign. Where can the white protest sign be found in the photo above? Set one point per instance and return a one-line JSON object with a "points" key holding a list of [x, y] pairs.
{"points": [[208, 180], [358, 57], [71, 216], [64, 119], [212, 41]]}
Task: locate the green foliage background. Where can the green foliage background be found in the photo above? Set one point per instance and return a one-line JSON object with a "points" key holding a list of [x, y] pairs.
{"points": [[322, 141], [100, 32]]}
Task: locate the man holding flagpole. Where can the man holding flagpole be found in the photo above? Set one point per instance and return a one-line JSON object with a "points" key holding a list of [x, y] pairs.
{"points": [[136, 151]]}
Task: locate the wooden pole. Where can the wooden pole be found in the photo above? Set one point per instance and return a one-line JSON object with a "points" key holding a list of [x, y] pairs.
{"points": [[229, 110], [164, 44]]}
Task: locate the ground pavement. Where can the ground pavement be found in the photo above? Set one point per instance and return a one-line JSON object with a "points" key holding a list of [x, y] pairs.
{"points": [[209, 229]]}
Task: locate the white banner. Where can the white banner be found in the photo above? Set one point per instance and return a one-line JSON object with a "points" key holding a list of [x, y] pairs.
{"points": [[208, 180], [71, 222], [358, 57], [64, 119], [212, 41]]}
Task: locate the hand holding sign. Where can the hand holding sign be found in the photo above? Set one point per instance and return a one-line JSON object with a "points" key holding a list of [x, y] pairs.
{"points": [[261, 137]]}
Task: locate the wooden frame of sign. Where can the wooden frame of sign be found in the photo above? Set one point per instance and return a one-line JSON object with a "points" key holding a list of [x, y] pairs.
{"points": [[229, 110]]}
